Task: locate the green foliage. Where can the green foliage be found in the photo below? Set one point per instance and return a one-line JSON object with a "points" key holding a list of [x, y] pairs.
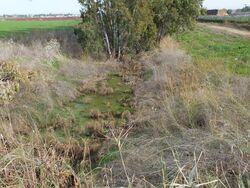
{"points": [[143, 30], [229, 11], [245, 9], [89, 39], [172, 16], [203, 11], [118, 27]]}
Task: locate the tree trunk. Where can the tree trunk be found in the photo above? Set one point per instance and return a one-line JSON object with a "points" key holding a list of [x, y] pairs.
{"points": [[106, 38]]}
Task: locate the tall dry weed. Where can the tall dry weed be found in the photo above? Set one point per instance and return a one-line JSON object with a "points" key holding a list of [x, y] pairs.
{"points": [[191, 126], [30, 153]]}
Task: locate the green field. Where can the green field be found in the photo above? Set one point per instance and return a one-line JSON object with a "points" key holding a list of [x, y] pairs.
{"points": [[207, 45], [9, 28], [225, 19]]}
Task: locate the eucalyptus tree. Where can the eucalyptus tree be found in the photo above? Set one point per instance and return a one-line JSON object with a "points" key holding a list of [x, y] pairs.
{"points": [[119, 27]]}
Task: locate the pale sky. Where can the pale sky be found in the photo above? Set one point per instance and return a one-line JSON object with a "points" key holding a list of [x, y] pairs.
{"points": [[39, 6], [228, 4], [72, 6]]}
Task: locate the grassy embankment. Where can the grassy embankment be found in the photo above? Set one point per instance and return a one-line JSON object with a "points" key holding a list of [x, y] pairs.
{"points": [[9, 28], [192, 107], [207, 45]]}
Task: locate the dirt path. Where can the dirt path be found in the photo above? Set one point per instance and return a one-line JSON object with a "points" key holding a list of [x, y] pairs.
{"points": [[226, 29]]}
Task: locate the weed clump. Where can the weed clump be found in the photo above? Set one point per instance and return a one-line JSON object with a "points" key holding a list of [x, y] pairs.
{"points": [[89, 87], [126, 115], [94, 147], [105, 90], [111, 123], [95, 114], [190, 123], [62, 122], [9, 81], [94, 128]]}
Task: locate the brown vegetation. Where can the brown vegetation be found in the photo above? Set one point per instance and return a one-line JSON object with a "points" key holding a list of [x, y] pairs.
{"points": [[190, 127], [95, 114], [89, 87], [126, 115], [94, 128], [31, 154], [192, 121], [105, 90]]}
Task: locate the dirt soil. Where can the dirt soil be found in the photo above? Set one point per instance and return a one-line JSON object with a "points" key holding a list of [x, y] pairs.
{"points": [[227, 29]]}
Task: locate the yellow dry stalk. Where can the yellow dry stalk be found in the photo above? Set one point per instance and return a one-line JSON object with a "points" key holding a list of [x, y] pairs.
{"points": [[10, 78]]}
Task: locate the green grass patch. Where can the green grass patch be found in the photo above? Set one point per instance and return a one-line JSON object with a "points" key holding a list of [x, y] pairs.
{"points": [[10, 28], [110, 156], [79, 110], [205, 44]]}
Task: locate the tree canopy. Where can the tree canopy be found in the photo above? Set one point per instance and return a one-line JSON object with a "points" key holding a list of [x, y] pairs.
{"points": [[246, 8], [118, 27]]}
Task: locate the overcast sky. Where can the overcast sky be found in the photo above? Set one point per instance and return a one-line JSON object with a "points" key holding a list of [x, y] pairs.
{"points": [[229, 4], [72, 6], [39, 6]]}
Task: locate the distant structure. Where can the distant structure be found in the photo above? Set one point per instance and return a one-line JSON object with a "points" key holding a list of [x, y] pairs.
{"points": [[217, 12]]}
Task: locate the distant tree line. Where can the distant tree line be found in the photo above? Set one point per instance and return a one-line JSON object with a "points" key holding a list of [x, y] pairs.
{"points": [[118, 27], [246, 8]]}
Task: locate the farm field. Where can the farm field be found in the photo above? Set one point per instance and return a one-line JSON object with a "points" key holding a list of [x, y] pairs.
{"points": [[224, 19], [206, 44], [9, 28]]}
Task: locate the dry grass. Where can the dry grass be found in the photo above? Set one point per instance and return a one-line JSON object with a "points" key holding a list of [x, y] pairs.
{"points": [[37, 52], [88, 87], [61, 122], [95, 114], [191, 126], [126, 115], [10, 80], [105, 90], [47, 80], [45, 76], [94, 128], [33, 164]]}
